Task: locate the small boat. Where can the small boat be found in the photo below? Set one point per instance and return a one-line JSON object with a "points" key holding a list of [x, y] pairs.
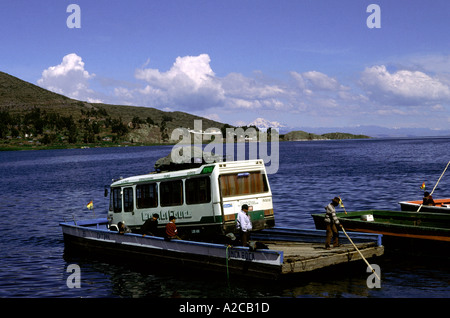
{"points": [[442, 206], [281, 251], [414, 232]]}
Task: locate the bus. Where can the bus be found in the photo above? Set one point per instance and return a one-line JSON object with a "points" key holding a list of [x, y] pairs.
{"points": [[205, 200]]}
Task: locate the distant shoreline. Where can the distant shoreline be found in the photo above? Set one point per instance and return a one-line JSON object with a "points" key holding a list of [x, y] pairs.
{"points": [[4, 147], [13, 147]]}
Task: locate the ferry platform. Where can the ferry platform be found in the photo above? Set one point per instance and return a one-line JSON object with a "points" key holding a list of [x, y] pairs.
{"points": [[290, 251]]}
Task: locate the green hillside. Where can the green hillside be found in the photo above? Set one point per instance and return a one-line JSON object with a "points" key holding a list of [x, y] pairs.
{"points": [[33, 118]]}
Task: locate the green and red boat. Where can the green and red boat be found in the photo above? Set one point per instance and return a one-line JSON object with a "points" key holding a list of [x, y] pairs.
{"points": [[417, 232]]}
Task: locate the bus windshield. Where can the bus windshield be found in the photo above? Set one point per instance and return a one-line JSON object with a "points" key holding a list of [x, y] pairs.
{"points": [[244, 183]]}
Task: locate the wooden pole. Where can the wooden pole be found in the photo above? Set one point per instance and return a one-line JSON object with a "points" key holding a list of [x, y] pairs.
{"points": [[435, 184], [373, 271], [342, 204], [343, 230]]}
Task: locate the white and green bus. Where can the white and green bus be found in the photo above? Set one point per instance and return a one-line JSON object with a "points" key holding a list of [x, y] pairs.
{"points": [[205, 200]]}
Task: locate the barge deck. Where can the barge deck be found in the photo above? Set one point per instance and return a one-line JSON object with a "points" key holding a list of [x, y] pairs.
{"points": [[290, 251]]}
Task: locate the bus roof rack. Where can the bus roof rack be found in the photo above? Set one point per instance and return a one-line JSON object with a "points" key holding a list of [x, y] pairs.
{"points": [[191, 159]]}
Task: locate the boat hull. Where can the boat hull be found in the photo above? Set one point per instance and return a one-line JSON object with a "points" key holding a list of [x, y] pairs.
{"points": [[412, 232], [442, 206]]}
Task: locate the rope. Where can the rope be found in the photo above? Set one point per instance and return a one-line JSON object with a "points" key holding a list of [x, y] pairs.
{"points": [[343, 230], [373, 271]]}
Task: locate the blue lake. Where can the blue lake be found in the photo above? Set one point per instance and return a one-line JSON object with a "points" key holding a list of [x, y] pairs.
{"points": [[39, 189]]}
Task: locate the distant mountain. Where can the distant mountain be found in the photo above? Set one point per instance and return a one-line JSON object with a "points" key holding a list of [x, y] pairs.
{"points": [[263, 124]]}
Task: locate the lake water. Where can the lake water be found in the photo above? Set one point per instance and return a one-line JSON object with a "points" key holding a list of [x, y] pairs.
{"points": [[39, 189]]}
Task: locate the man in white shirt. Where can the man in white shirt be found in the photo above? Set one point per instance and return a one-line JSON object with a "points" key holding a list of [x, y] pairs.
{"points": [[244, 224]]}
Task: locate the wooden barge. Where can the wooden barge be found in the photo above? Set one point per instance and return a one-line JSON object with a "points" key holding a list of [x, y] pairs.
{"points": [[287, 251]]}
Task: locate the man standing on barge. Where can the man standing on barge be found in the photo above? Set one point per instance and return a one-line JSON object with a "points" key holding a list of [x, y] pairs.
{"points": [[150, 226], [332, 223], [244, 224]]}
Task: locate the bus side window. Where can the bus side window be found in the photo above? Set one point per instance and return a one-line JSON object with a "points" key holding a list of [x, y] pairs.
{"points": [[243, 183], [147, 196], [128, 205], [171, 193], [198, 190], [116, 200]]}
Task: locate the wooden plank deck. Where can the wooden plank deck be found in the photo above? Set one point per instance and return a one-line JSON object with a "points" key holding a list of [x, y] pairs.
{"points": [[303, 257]]}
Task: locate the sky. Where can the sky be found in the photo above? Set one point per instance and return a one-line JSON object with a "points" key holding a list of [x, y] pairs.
{"points": [[301, 63]]}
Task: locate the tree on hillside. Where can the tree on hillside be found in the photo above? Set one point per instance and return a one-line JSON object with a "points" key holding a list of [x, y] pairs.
{"points": [[118, 127], [5, 120]]}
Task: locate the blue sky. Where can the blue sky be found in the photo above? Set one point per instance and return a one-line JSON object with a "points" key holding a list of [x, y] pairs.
{"points": [[301, 63]]}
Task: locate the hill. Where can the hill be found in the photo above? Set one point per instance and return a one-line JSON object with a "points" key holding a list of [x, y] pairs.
{"points": [[33, 117], [302, 135]]}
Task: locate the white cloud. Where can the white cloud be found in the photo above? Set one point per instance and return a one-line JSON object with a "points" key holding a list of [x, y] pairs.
{"points": [[404, 87], [428, 63], [312, 82], [252, 93], [69, 78], [319, 81], [190, 84], [318, 94]]}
